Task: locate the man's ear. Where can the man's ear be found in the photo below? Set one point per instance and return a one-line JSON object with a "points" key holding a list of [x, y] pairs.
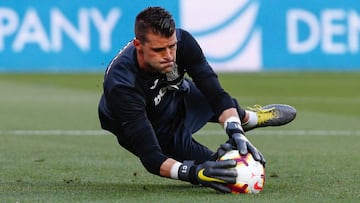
{"points": [[137, 44]]}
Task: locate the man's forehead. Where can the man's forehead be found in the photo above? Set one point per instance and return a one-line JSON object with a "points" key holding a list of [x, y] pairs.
{"points": [[159, 40]]}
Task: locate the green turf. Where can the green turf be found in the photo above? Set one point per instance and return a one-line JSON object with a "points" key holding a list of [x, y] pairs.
{"points": [[314, 159]]}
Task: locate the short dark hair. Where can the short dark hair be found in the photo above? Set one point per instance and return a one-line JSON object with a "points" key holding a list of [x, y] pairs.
{"points": [[155, 19]]}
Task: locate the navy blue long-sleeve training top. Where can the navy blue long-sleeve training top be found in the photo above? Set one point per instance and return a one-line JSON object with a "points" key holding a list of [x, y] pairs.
{"points": [[135, 104]]}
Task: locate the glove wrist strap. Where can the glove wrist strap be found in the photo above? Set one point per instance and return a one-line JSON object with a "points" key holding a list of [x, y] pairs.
{"points": [[231, 119], [234, 127], [187, 171]]}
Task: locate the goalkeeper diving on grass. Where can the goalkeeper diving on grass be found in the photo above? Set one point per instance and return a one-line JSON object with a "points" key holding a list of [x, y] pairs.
{"points": [[159, 90]]}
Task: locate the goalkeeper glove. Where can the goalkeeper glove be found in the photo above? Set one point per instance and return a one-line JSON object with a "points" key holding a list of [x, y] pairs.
{"points": [[225, 147], [214, 174], [240, 142]]}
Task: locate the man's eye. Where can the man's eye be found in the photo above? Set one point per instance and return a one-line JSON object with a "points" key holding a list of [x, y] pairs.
{"points": [[158, 49]]}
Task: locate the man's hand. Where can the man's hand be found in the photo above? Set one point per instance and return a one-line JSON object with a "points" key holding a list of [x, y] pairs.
{"points": [[217, 174], [241, 143], [214, 174], [225, 147]]}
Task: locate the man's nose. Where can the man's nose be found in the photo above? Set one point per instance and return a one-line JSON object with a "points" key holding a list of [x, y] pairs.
{"points": [[168, 54]]}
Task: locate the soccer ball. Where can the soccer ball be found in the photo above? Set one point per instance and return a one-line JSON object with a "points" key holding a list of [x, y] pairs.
{"points": [[251, 173]]}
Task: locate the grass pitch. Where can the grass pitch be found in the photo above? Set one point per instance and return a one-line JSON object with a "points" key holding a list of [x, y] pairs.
{"points": [[52, 148]]}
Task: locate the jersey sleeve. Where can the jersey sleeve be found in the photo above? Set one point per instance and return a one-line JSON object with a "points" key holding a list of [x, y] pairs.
{"points": [[125, 107], [128, 108], [202, 73]]}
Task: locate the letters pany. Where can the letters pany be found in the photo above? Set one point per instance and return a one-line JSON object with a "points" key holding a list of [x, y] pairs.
{"points": [[31, 30]]}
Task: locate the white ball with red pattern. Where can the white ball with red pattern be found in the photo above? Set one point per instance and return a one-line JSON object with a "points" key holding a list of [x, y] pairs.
{"points": [[251, 173]]}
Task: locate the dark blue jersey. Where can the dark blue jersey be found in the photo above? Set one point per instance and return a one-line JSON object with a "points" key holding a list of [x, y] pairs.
{"points": [[143, 108]]}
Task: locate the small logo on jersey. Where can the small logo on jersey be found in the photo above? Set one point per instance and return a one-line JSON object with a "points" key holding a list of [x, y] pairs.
{"points": [[158, 98], [154, 85]]}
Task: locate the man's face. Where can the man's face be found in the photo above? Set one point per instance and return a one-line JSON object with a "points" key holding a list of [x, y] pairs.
{"points": [[158, 53]]}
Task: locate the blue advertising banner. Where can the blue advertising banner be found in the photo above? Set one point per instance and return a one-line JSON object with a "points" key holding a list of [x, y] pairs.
{"points": [[236, 35], [229, 33], [66, 36], [308, 35]]}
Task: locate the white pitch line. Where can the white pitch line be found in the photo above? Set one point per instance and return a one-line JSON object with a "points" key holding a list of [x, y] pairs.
{"points": [[53, 132], [292, 132], [201, 132]]}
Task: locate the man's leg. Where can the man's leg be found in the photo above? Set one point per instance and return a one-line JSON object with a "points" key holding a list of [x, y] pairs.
{"points": [[255, 117], [197, 112], [269, 115]]}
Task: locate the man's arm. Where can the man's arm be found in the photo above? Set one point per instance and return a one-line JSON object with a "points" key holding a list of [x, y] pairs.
{"points": [[165, 168], [137, 134], [230, 120], [228, 113]]}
